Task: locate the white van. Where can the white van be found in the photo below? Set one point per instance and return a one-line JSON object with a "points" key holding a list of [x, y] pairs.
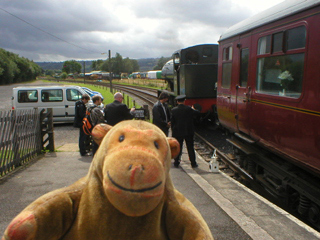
{"points": [[61, 98]]}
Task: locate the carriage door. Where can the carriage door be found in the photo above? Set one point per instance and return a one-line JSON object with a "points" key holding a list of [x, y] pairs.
{"points": [[243, 90]]}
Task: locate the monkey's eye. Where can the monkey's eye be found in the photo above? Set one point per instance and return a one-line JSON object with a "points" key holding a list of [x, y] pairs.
{"points": [[156, 145], [121, 138]]}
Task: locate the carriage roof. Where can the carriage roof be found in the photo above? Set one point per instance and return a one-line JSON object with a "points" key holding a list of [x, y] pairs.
{"points": [[272, 14]]}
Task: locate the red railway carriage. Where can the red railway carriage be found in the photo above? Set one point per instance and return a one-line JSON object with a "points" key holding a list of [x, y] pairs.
{"points": [[269, 92]]}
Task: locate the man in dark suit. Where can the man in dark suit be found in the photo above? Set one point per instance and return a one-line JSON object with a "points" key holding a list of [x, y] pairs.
{"points": [[161, 113], [117, 111], [80, 113], [183, 129]]}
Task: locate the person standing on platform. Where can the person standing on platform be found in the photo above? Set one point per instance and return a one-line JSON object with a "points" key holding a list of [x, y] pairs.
{"points": [[117, 111], [96, 115], [80, 113], [183, 129], [161, 114]]}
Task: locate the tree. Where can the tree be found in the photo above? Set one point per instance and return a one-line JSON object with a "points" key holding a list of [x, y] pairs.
{"points": [[127, 65], [71, 67], [16, 69], [26, 70], [161, 62], [64, 75], [10, 68], [105, 65], [119, 65], [49, 73], [96, 65], [136, 66]]}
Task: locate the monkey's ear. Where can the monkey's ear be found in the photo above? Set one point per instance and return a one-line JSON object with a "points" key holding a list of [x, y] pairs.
{"points": [[99, 131], [175, 146]]}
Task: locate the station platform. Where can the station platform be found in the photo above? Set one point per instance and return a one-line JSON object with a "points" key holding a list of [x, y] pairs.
{"points": [[231, 210], [255, 216]]}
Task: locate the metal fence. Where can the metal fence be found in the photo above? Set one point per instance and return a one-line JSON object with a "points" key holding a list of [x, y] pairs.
{"points": [[22, 134]]}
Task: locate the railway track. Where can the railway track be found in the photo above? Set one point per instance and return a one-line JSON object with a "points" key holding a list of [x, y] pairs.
{"points": [[149, 96], [225, 159]]}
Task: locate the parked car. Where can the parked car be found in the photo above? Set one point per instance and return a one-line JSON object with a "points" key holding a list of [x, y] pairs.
{"points": [[60, 98], [91, 93]]}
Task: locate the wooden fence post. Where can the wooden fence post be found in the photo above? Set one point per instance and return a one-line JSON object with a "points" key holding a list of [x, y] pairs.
{"points": [[47, 128], [147, 113], [50, 130]]}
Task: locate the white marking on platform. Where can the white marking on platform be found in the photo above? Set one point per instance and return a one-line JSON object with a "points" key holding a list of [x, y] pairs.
{"points": [[246, 223]]}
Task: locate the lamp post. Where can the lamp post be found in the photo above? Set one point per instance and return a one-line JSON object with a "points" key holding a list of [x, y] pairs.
{"points": [[84, 71], [109, 66], [110, 72]]}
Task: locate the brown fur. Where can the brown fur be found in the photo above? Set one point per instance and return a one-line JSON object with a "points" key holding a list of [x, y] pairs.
{"points": [[127, 194]]}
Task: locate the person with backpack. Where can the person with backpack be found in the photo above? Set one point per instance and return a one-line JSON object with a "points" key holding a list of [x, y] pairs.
{"points": [[96, 117], [80, 113]]}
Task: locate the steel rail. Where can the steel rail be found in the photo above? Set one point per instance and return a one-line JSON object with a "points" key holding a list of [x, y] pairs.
{"points": [[223, 157], [139, 94]]}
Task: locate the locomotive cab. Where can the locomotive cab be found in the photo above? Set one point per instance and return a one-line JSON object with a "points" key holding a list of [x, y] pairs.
{"points": [[195, 75]]}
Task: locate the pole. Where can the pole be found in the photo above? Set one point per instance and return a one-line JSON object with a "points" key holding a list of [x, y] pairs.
{"points": [[110, 73], [84, 71]]}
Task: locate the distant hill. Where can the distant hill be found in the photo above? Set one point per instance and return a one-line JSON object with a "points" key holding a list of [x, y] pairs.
{"points": [[145, 64], [50, 65], [58, 65]]}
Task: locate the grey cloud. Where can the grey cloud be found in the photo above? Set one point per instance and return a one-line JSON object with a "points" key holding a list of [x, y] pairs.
{"points": [[88, 24], [219, 12]]}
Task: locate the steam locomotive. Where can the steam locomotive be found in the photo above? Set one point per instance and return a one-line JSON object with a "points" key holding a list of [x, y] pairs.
{"points": [[268, 96], [193, 72]]}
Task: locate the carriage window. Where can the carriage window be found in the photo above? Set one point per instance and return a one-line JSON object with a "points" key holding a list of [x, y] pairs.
{"points": [[73, 95], [25, 96], [54, 95], [296, 38], [264, 45], [281, 75], [226, 75], [277, 42], [244, 63], [227, 54]]}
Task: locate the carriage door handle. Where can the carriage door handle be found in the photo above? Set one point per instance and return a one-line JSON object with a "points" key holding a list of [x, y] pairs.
{"points": [[248, 95]]}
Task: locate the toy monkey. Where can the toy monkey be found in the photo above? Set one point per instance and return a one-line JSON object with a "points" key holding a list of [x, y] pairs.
{"points": [[127, 194]]}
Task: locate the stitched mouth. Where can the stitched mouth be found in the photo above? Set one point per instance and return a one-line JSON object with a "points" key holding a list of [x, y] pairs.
{"points": [[133, 190]]}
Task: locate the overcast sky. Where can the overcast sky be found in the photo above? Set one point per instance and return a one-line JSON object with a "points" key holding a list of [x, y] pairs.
{"points": [[56, 30]]}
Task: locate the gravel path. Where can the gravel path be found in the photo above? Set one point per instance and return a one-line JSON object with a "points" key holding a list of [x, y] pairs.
{"points": [[65, 134]]}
